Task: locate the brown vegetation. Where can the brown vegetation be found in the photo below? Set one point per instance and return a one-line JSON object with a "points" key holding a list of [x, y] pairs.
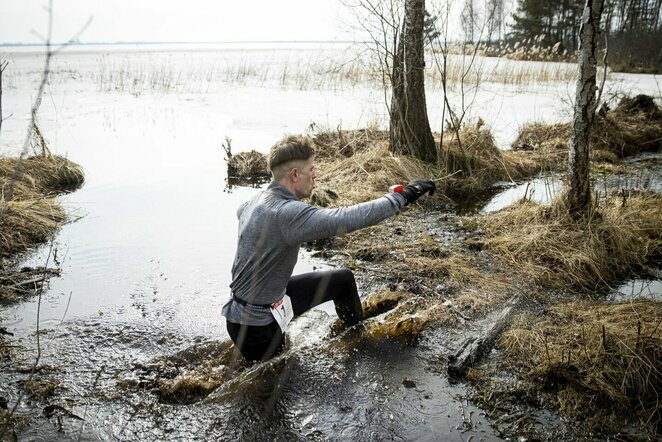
{"points": [[465, 166], [250, 164], [599, 360], [188, 375], [633, 126], [29, 212], [546, 245]]}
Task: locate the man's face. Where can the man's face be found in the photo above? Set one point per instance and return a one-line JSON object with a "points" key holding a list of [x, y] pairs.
{"points": [[305, 178]]}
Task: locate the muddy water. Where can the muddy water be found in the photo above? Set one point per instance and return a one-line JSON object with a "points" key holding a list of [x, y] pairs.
{"points": [[348, 389]]}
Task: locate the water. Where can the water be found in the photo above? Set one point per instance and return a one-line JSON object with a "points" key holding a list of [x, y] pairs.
{"points": [[645, 174], [147, 266], [650, 289], [540, 190]]}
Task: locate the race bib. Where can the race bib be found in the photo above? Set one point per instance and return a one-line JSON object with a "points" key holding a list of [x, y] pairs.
{"points": [[283, 312]]}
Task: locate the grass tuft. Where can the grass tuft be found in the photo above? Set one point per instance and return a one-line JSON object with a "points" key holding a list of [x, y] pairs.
{"points": [[633, 126], [548, 246], [597, 358]]}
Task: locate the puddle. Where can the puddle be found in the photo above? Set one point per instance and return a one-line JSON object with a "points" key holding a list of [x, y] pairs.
{"points": [[646, 174], [637, 289], [541, 190]]}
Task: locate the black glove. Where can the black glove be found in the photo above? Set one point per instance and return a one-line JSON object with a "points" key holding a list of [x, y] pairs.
{"points": [[417, 188]]}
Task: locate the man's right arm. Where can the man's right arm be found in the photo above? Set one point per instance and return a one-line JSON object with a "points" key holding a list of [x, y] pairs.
{"points": [[302, 222]]}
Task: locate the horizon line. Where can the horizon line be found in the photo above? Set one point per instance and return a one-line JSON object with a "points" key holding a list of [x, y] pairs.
{"points": [[138, 42]]}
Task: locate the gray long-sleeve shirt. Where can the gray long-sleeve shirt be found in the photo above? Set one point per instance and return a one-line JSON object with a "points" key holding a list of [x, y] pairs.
{"points": [[272, 226]]}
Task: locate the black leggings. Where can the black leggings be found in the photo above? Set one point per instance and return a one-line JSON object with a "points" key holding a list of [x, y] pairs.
{"points": [[259, 343]]}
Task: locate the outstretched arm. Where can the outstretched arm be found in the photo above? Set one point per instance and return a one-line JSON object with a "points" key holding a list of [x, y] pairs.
{"points": [[302, 222]]}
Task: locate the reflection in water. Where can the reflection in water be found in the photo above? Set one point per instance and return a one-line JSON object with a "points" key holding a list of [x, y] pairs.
{"points": [[638, 289], [541, 190], [254, 182]]}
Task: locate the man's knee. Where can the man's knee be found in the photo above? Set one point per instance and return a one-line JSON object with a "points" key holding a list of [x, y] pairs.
{"points": [[345, 276]]}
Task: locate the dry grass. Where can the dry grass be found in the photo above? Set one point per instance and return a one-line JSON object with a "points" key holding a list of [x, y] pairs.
{"points": [[26, 223], [371, 163], [473, 152], [29, 213], [250, 164], [42, 175], [600, 358], [473, 163], [633, 126], [546, 245]]}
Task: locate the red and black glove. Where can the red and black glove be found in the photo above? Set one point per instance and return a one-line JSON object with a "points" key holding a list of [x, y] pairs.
{"points": [[417, 188]]}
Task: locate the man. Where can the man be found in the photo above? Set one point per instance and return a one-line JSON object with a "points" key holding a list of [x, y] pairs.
{"points": [[272, 226]]}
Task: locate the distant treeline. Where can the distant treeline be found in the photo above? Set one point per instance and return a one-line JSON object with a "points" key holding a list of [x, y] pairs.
{"points": [[633, 28]]}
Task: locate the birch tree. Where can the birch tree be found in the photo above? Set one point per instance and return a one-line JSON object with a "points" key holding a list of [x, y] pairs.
{"points": [[578, 197]]}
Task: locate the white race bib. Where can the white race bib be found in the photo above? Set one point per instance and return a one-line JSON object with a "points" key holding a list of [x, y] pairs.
{"points": [[283, 312]]}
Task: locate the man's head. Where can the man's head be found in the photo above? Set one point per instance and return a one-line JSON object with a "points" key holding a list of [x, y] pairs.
{"points": [[292, 165]]}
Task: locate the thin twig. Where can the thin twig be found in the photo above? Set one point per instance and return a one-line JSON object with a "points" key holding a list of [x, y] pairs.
{"points": [[361, 167], [447, 176], [3, 66], [604, 59]]}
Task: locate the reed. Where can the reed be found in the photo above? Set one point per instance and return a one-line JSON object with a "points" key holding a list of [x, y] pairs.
{"points": [[303, 72]]}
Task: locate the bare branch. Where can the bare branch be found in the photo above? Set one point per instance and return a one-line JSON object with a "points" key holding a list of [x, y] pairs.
{"points": [[3, 66], [604, 58]]}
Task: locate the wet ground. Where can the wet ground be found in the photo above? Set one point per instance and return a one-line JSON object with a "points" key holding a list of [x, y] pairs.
{"points": [[323, 387]]}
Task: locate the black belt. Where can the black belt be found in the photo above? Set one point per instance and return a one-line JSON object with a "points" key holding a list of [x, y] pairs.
{"points": [[249, 305]]}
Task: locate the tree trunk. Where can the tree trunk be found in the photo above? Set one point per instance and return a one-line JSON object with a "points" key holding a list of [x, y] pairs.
{"points": [[410, 132], [578, 197]]}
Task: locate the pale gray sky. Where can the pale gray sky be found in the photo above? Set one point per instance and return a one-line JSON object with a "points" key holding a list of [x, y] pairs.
{"points": [[175, 20]]}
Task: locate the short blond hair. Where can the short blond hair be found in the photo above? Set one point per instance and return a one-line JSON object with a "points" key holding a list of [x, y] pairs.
{"points": [[290, 148]]}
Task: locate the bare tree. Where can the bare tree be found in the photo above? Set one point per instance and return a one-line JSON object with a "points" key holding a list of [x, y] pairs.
{"points": [[469, 19], [468, 92], [495, 20], [381, 21], [410, 128], [578, 197]]}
